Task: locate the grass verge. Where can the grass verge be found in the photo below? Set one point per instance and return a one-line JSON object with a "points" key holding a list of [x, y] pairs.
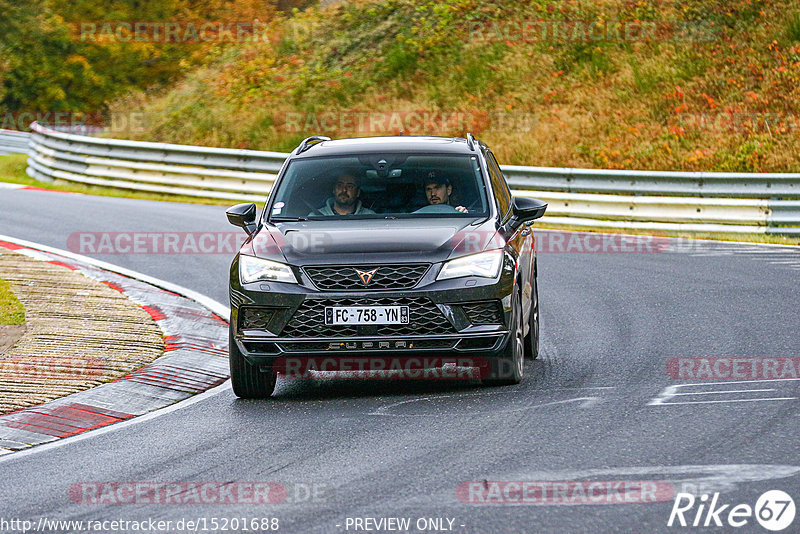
{"points": [[11, 310]]}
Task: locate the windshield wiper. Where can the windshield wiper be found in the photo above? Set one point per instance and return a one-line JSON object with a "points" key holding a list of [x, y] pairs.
{"points": [[288, 219]]}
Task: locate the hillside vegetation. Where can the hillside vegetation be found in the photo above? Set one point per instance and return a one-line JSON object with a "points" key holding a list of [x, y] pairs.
{"points": [[51, 63], [703, 85]]}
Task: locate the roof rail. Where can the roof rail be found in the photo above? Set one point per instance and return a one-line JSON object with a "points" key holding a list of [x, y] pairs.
{"points": [[470, 141], [308, 142]]}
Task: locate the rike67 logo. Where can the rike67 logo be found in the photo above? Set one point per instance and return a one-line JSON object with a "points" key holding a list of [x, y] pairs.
{"points": [[774, 510]]}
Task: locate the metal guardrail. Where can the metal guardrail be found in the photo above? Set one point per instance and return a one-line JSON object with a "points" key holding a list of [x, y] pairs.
{"points": [[13, 142], [650, 200]]}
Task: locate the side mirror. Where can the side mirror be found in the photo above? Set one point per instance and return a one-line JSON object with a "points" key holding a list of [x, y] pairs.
{"points": [[525, 209], [243, 216]]}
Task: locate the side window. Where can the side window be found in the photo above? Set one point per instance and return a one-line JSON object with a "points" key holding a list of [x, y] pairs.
{"points": [[499, 185]]}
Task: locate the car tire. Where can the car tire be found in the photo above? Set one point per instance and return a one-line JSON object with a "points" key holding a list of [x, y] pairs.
{"points": [[249, 381], [507, 369], [532, 339]]}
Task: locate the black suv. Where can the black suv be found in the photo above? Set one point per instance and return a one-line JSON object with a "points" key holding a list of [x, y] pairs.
{"points": [[385, 249]]}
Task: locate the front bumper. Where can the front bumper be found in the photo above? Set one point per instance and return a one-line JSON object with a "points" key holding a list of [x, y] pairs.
{"points": [[442, 320]]}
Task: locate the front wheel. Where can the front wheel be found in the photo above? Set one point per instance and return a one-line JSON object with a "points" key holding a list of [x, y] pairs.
{"points": [[249, 381], [507, 369]]}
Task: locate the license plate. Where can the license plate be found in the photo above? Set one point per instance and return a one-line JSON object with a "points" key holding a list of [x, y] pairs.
{"points": [[366, 315]]}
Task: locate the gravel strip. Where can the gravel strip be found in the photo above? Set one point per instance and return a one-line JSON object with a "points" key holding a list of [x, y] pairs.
{"points": [[79, 333]]}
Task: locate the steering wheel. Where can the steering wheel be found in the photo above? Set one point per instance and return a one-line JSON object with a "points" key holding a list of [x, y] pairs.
{"points": [[436, 208]]}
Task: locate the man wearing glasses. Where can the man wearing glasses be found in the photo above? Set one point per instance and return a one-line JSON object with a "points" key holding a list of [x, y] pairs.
{"points": [[345, 199]]}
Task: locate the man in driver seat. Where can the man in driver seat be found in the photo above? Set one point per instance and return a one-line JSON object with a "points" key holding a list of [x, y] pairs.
{"points": [[345, 198], [438, 190]]}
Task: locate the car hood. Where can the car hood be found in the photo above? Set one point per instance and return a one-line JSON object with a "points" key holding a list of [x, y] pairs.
{"points": [[373, 241]]}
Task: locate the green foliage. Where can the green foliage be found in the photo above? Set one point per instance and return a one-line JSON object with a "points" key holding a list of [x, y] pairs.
{"points": [[43, 68], [662, 101], [594, 57], [747, 157], [11, 309], [48, 64], [646, 78], [793, 27]]}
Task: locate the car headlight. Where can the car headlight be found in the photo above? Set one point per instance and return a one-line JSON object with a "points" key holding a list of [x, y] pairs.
{"points": [[252, 269], [485, 264]]}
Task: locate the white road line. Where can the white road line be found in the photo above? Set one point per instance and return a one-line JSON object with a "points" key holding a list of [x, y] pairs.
{"points": [[722, 401], [470, 396], [727, 382], [574, 389], [720, 392], [669, 392], [383, 410]]}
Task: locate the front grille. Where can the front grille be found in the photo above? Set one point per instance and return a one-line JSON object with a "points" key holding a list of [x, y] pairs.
{"points": [[486, 312], [256, 318], [424, 319], [345, 278]]}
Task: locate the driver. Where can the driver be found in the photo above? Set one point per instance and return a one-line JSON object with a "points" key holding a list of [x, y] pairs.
{"points": [[345, 198], [438, 190]]}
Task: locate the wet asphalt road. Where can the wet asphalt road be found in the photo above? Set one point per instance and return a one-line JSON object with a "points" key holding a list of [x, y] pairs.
{"points": [[598, 405]]}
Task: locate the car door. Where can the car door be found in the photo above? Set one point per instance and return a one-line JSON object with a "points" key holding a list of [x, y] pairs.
{"points": [[521, 239]]}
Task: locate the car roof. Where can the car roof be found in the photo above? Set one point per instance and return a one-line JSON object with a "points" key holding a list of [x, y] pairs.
{"points": [[361, 145]]}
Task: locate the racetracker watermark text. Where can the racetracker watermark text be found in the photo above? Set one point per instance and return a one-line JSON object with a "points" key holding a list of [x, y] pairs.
{"points": [[590, 31], [377, 367], [173, 32], [118, 493], [76, 122], [413, 122], [575, 492], [721, 368], [316, 242], [64, 367]]}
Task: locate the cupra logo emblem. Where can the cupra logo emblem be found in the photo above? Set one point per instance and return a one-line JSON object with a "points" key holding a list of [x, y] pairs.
{"points": [[366, 276]]}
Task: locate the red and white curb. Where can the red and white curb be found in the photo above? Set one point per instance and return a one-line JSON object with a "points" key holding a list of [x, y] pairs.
{"points": [[195, 358], [6, 185]]}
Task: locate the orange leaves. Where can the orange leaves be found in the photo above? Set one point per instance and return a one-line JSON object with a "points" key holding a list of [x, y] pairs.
{"points": [[677, 131], [709, 100], [695, 156]]}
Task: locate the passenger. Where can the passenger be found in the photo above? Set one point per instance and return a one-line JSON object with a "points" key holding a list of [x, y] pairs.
{"points": [[345, 199]]}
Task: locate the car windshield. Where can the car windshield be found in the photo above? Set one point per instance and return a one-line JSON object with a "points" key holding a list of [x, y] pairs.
{"points": [[380, 186]]}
